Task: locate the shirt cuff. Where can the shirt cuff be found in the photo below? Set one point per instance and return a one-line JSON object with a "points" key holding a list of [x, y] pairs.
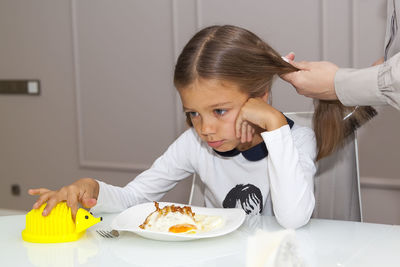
{"points": [[358, 87], [278, 134], [100, 198]]}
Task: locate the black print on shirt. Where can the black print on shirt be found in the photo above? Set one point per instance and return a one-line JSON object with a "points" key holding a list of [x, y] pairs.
{"points": [[248, 197]]}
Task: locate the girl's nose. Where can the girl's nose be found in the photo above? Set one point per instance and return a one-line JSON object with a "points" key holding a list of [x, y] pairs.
{"points": [[207, 127]]}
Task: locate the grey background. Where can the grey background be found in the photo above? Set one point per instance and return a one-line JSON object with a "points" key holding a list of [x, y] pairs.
{"points": [[108, 107]]}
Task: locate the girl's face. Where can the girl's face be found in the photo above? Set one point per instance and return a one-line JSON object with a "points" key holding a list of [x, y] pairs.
{"points": [[213, 106]]}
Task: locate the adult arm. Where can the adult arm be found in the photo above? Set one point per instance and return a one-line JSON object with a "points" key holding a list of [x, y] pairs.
{"points": [[377, 85]]}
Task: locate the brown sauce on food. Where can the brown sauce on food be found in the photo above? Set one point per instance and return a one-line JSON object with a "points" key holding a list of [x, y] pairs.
{"points": [[167, 209]]}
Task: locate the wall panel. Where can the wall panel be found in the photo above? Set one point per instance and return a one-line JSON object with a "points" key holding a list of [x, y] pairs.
{"points": [[123, 78]]}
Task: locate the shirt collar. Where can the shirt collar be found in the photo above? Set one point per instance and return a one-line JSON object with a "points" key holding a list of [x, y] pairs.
{"points": [[255, 153]]}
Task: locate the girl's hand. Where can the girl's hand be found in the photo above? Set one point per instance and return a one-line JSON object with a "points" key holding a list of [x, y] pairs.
{"points": [[257, 113], [84, 191]]}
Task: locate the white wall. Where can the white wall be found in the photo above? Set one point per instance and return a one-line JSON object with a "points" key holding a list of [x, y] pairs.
{"points": [[108, 108]]}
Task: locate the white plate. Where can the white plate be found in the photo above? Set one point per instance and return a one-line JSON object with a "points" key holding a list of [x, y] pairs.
{"points": [[130, 219]]}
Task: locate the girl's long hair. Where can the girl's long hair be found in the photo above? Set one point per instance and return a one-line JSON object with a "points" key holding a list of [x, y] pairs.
{"points": [[235, 54]]}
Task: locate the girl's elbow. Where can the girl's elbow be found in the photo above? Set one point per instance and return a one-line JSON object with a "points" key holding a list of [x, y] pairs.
{"points": [[293, 223], [296, 219]]}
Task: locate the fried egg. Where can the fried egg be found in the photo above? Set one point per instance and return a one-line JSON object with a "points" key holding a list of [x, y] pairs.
{"points": [[175, 219], [208, 222]]}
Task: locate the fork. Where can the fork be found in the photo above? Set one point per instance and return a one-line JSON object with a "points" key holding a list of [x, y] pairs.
{"points": [[108, 233]]}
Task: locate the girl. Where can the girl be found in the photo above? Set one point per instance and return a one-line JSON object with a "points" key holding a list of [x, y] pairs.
{"points": [[247, 153]]}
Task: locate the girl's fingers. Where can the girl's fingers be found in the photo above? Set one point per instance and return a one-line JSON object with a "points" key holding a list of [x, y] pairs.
{"points": [[53, 198], [43, 193], [37, 191], [249, 133], [84, 190], [41, 200], [37, 204], [244, 132], [51, 203], [72, 202], [238, 126], [89, 202]]}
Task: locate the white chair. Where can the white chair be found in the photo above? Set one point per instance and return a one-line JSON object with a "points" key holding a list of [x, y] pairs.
{"points": [[337, 182], [196, 197]]}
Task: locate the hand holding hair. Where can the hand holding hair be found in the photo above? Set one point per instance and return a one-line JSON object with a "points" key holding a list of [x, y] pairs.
{"points": [[314, 79], [289, 57]]}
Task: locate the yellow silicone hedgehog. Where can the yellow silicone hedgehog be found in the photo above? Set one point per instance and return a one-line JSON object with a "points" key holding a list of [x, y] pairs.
{"points": [[58, 226]]}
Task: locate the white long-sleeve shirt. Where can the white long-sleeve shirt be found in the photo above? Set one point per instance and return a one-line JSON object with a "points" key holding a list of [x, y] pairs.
{"points": [[280, 183]]}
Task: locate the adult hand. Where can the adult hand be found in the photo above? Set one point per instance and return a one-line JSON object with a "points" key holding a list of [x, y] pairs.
{"points": [[314, 79], [84, 191], [290, 57]]}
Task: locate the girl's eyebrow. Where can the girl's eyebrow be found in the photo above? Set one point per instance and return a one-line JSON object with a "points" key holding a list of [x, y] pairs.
{"points": [[185, 108], [210, 106], [220, 104]]}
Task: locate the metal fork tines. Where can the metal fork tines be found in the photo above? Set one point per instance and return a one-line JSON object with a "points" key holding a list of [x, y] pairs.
{"points": [[108, 234]]}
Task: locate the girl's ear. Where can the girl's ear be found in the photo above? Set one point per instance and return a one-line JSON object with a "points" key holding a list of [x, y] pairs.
{"points": [[265, 96]]}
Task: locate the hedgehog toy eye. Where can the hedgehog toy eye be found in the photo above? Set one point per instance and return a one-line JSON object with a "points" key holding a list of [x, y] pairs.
{"points": [[86, 217], [91, 213]]}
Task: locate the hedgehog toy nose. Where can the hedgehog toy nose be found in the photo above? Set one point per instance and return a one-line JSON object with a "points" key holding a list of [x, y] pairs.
{"points": [[101, 218]]}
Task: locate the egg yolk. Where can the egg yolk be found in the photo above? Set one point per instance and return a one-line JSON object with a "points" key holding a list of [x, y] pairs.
{"points": [[182, 228]]}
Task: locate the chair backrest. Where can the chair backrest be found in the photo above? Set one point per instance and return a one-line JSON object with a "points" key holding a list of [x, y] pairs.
{"points": [[196, 197], [337, 182]]}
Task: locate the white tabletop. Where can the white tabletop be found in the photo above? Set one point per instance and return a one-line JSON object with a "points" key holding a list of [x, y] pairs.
{"points": [[321, 243]]}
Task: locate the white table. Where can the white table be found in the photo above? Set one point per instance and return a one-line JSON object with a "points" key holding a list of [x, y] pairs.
{"points": [[321, 243]]}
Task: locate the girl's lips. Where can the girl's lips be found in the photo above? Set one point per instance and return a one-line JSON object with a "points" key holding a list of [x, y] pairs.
{"points": [[215, 144]]}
